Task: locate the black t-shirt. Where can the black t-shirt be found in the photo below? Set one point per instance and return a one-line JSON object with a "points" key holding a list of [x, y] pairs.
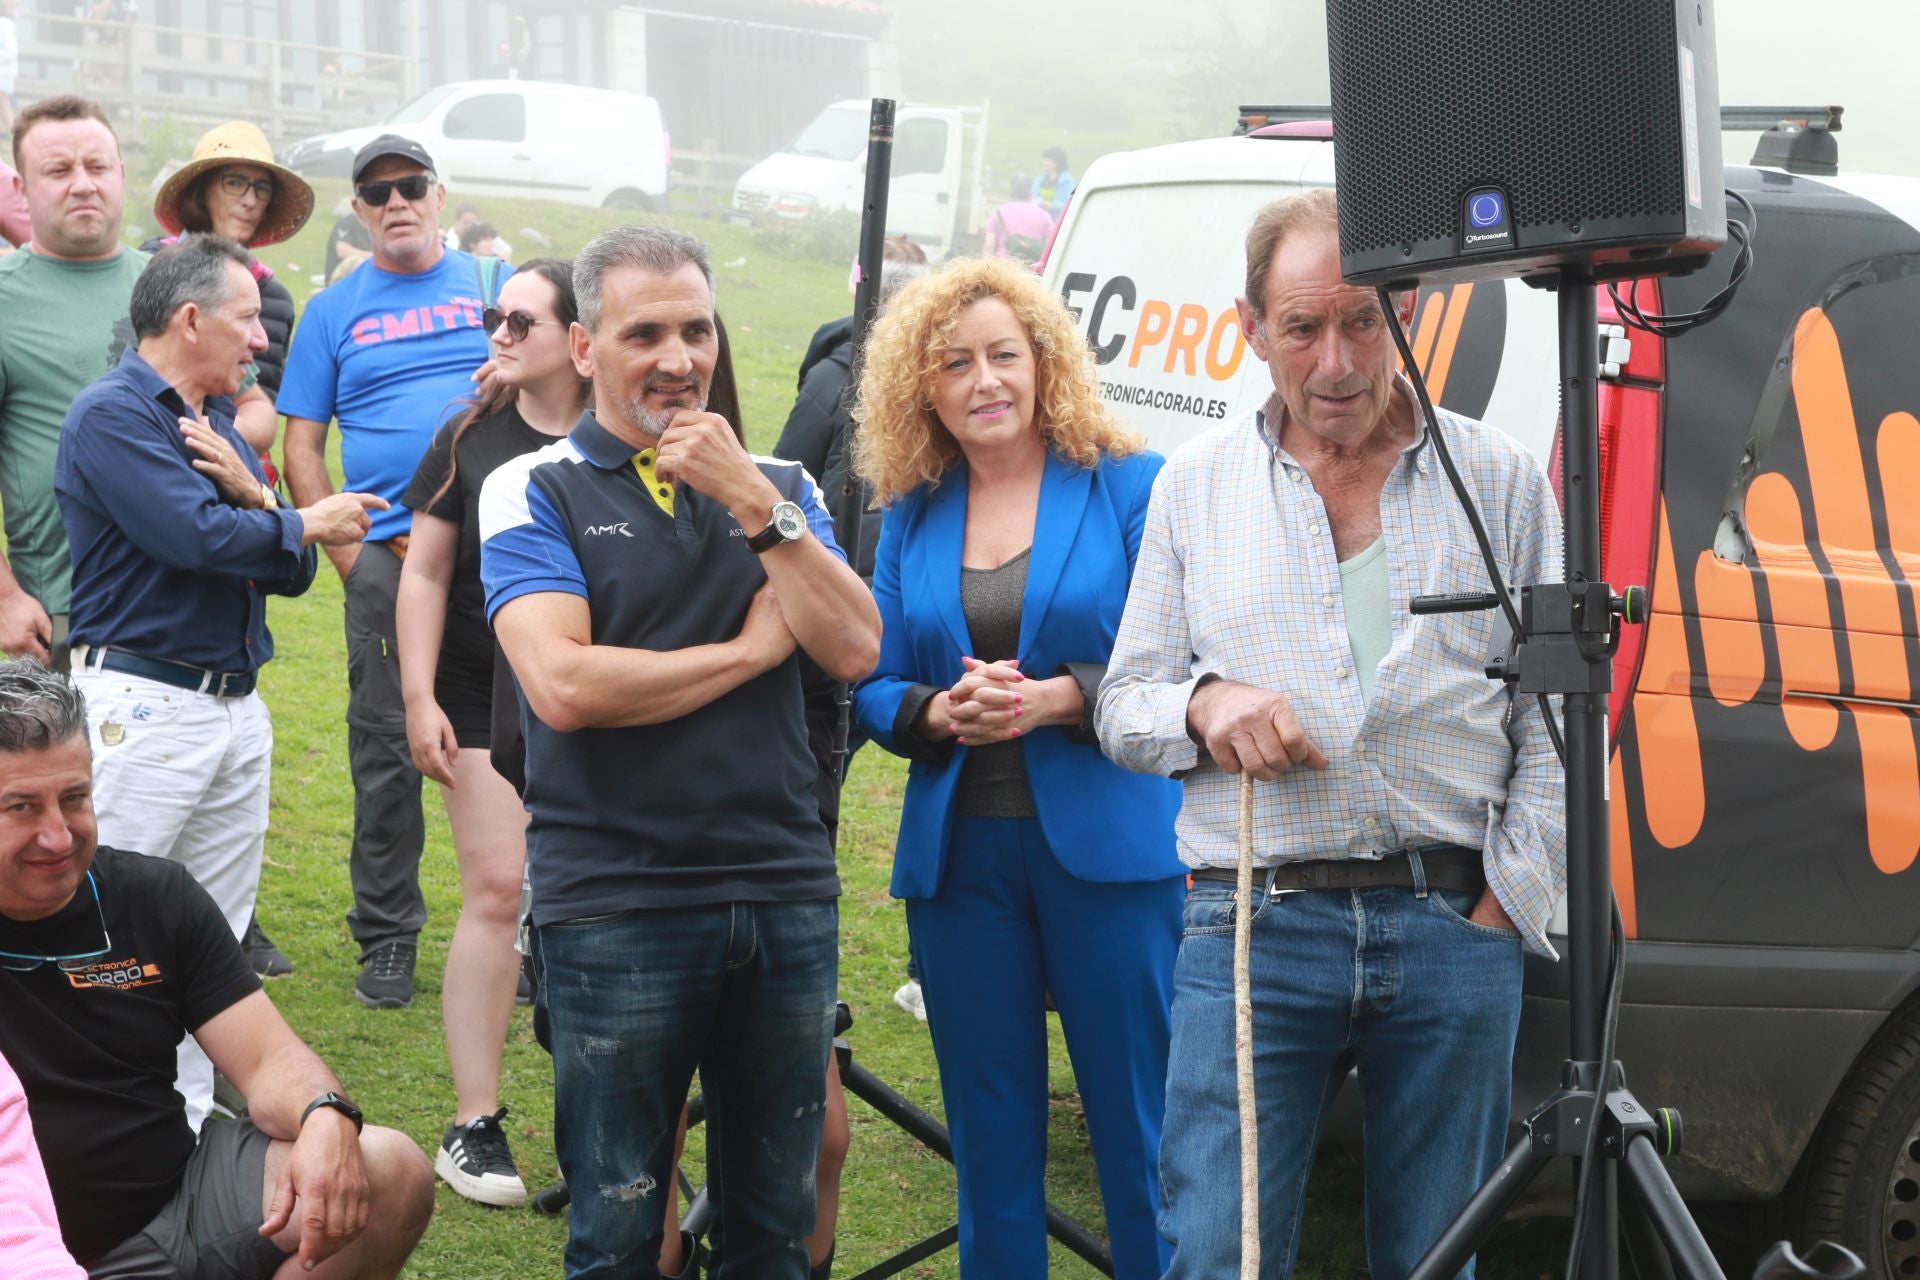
{"points": [[467, 645], [93, 1041]]}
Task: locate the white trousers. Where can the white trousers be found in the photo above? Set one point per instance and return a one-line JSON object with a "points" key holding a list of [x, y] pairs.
{"points": [[184, 775]]}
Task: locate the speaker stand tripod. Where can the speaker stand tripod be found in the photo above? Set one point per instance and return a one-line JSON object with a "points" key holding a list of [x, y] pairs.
{"points": [[1565, 647]]}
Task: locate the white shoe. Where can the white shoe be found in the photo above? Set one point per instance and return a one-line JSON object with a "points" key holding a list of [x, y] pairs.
{"points": [[473, 1159], [910, 999]]}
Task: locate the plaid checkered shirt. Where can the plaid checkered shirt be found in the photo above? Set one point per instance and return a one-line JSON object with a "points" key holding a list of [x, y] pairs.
{"points": [[1237, 577]]}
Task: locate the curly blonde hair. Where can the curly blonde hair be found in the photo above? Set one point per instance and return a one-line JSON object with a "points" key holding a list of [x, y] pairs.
{"points": [[900, 443]]}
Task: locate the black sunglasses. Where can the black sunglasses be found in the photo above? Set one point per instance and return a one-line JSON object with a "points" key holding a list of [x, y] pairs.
{"points": [[412, 187], [17, 962], [519, 323]]}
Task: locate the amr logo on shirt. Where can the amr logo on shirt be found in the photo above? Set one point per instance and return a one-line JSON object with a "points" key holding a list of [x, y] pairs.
{"points": [[601, 530], [113, 975]]}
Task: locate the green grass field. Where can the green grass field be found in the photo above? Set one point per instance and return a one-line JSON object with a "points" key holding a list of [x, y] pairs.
{"points": [[394, 1063]]}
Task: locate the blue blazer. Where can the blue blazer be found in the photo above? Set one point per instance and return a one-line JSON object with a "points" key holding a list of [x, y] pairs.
{"points": [[1102, 822]]}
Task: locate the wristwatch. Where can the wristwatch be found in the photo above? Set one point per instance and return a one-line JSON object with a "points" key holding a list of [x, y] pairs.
{"points": [[337, 1103], [789, 524]]}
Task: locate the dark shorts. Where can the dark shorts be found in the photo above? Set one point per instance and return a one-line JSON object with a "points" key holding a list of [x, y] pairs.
{"points": [[210, 1230], [466, 695]]}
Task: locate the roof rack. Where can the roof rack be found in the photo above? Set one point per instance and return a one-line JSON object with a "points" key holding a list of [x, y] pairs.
{"points": [[1797, 139], [1259, 117], [1761, 119]]}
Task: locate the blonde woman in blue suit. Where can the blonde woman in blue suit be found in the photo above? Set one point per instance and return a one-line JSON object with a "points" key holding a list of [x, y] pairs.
{"points": [[1029, 863]]}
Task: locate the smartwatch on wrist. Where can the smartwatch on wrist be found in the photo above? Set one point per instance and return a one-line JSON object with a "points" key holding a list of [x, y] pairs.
{"points": [[337, 1103]]}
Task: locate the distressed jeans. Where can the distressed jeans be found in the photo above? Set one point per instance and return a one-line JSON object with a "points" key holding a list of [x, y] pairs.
{"points": [[1395, 982], [744, 993]]}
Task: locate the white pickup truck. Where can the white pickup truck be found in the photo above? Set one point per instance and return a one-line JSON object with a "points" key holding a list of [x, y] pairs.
{"points": [[935, 193]]}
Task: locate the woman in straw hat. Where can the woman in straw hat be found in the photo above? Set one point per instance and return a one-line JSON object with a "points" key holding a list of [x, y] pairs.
{"points": [[232, 187]]}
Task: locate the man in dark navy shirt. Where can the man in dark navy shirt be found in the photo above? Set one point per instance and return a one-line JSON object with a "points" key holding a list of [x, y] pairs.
{"points": [[683, 887], [176, 542]]}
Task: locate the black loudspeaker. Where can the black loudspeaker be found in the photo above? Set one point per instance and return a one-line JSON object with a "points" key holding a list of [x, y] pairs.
{"points": [[1483, 138]]}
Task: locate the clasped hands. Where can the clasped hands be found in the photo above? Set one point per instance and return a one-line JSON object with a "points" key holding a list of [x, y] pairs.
{"points": [[997, 702]]}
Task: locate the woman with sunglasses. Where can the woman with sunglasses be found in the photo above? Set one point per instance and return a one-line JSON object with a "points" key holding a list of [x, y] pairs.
{"points": [[447, 658]]}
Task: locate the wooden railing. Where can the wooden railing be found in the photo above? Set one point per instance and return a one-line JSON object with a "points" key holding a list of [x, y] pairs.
{"points": [[133, 68], [709, 171]]}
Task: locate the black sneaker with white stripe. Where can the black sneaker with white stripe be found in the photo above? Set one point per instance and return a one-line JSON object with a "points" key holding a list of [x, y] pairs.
{"points": [[475, 1162]]}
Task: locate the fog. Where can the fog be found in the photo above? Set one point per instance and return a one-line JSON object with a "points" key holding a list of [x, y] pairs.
{"points": [[1099, 75]]}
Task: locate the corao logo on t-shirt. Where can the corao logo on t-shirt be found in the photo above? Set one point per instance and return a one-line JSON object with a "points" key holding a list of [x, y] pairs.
{"points": [[417, 322], [113, 975]]}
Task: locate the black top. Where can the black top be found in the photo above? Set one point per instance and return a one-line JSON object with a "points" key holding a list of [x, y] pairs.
{"points": [[346, 229], [467, 645], [993, 781], [715, 806], [93, 1041], [819, 436]]}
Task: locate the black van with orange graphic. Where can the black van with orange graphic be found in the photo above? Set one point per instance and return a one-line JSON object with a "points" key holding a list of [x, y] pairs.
{"points": [[1762, 476]]}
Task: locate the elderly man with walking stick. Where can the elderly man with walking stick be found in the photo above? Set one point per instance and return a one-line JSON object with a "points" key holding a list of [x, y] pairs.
{"points": [[1407, 842]]}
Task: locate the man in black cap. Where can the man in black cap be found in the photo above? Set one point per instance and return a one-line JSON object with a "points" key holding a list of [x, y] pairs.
{"points": [[390, 351]]}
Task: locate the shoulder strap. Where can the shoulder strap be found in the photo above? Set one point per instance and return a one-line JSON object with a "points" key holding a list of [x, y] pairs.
{"points": [[487, 272]]}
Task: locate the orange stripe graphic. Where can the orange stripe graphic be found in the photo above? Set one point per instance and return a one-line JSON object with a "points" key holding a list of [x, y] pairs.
{"points": [[1668, 736], [1802, 625], [1426, 329], [1899, 450], [1729, 629], [1456, 315], [1892, 778]]}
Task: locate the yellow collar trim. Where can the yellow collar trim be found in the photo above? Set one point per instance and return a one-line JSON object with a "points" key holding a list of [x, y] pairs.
{"points": [[658, 489]]}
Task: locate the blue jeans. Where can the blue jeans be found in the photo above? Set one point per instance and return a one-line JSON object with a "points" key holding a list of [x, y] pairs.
{"points": [[1008, 926], [1394, 981], [744, 992]]}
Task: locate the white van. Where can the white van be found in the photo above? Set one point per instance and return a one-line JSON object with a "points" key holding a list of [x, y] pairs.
{"points": [[523, 138], [934, 196]]}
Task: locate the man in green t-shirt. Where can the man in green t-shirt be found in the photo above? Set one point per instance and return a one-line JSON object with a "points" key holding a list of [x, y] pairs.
{"points": [[61, 297]]}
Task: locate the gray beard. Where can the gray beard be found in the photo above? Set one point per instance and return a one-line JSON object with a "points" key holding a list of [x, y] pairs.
{"points": [[651, 424]]}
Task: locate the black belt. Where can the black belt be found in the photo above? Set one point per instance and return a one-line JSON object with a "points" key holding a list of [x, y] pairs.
{"points": [[230, 684], [1445, 866]]}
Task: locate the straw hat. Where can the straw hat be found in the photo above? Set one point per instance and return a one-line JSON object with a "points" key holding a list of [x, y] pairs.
{"points": [[238, 142]]}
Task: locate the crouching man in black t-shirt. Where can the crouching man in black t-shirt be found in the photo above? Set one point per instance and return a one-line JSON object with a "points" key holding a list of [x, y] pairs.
{"points": [[106, 960]]}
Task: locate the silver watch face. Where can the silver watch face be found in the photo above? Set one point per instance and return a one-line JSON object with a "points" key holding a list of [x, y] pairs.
{"points": [[790, 521]]}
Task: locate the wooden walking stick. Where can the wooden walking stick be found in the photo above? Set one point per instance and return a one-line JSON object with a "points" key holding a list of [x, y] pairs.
{"points": [[1243, 1042]]}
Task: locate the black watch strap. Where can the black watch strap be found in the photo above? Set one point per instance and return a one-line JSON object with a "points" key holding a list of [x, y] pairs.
{"points": [[337, 1103]]}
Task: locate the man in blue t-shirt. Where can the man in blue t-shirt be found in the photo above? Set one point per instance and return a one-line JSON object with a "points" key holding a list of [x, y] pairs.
{"points": [[390, 351]]}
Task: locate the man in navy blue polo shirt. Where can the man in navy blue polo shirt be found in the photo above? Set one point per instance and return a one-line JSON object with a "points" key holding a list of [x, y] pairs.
{"points": [[176, 541], [650, 583]]}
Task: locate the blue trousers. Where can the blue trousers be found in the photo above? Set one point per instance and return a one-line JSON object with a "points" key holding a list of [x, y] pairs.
{"points": [[1394, 981], [742, 991], [1007, 927]]}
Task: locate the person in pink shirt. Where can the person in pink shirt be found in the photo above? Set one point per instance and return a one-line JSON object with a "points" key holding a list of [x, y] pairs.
{"points": [[30, 1245], [15, 226], [1021, 227]]}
